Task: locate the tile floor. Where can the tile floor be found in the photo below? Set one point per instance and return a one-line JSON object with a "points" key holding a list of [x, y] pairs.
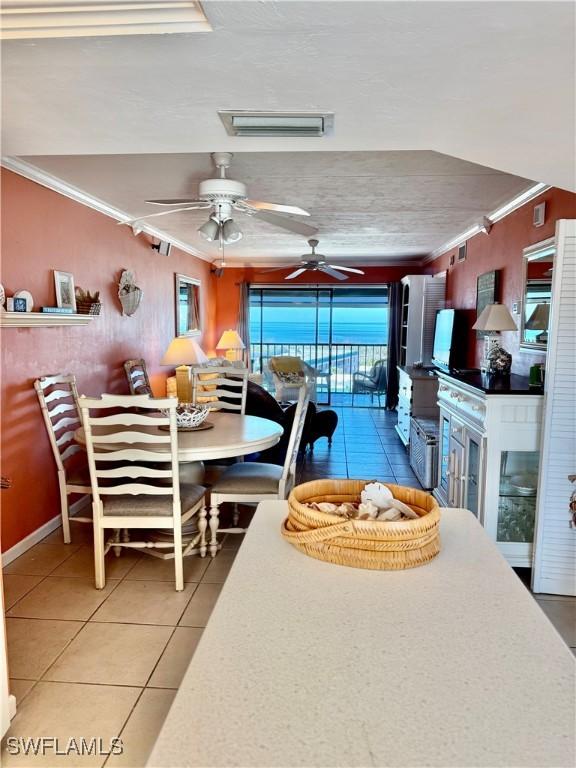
{"points": [[88, 663]]}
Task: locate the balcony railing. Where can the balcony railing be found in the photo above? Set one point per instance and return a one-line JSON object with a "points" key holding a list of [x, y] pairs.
{"points": [[340, 361]]}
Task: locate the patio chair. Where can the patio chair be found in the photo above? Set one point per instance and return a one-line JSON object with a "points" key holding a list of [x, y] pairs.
{"points": [[58, 398], [373, 383], [288, 372], [144, 490], [252, 482]]}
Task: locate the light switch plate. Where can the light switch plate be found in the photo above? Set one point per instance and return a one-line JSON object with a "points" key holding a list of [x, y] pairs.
{"points": [[516, 308]]}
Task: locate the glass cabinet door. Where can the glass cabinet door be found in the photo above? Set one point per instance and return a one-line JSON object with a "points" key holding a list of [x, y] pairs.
{"points": [[517, 496], [444, 453], [472, 475]]}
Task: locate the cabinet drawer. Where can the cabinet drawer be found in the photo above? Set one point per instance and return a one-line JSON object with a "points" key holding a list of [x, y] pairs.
{"points": [[404, 386], [470, 405], [405, 403]]}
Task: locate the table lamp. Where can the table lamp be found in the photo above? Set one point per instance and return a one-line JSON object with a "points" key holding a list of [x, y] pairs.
{"points": [[538, 321], [493, 319], [232, 343], [181, 353]]}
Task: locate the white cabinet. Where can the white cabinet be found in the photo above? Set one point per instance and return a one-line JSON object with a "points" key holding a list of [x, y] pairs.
{"points": [[422, 297], [417, 394], [488, 457]]}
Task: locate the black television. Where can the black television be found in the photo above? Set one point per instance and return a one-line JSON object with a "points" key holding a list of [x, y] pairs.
{"points": [[449, 351]]}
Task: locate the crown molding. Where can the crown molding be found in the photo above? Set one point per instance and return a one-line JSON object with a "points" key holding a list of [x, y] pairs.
{"points": [[39, 176], [497, 215], [360, 264], [39, 19]]}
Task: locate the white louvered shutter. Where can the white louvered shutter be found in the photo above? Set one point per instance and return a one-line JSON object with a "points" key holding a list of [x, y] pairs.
{"points": [[555, 544]]}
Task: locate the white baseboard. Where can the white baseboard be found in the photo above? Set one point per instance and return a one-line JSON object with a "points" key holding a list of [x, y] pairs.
{"points": [[41, 533]]}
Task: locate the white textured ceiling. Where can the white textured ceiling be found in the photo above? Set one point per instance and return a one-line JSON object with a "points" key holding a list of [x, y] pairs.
{"points": [[368, 206], [490, 82]]}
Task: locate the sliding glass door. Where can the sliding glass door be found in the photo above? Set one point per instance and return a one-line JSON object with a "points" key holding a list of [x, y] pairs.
{"points": [[339, 331]]}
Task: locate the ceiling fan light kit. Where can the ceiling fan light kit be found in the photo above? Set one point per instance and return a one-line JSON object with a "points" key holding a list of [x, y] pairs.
{"points": [[224, 196]]}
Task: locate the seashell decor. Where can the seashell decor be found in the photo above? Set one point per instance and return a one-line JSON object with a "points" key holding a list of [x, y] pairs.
{"points": [[377, 503], [129, 293]]}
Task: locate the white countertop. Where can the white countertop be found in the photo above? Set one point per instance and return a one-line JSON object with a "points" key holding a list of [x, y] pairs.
{"points": [[305, 663]]}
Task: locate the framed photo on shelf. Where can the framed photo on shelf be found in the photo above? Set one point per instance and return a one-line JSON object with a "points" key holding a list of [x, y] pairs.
{"points": [[64, 285], [487, 292]]}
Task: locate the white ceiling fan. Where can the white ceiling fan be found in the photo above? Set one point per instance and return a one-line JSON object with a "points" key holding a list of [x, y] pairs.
{"points": [[223, 196], [316, 262]]}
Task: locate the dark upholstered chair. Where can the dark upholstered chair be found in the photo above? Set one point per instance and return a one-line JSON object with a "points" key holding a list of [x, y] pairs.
{"points": [[373, 383], [318, 424]]}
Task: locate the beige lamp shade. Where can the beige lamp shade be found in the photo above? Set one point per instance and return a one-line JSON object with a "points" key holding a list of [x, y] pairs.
{"points": [[495, 317], [184, 351], [538, 320], [230, 340]]}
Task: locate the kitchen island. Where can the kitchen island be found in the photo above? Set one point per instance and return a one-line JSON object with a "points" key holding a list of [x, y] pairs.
{"points": [[305, 663]]}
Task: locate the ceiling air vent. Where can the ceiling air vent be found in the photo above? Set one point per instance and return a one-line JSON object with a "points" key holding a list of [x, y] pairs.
{"points": [[245, 123]]}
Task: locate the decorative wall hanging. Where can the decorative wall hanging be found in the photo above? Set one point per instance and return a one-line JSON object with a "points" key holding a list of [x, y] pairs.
{"points": [[87, 303], [64, 284], [129, 293], [487, 292]]}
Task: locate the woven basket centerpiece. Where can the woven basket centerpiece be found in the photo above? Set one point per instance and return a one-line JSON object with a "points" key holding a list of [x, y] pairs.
{"points": [[362, 543]]}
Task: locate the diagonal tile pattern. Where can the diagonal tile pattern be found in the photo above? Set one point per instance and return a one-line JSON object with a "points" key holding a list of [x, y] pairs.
{"points": [[107, 663]]}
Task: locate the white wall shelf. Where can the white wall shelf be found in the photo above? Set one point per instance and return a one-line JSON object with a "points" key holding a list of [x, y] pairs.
{"points": [[41, 320]]}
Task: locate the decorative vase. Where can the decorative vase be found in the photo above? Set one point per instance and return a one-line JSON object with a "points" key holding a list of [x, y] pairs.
{"points": [[499, 361]]}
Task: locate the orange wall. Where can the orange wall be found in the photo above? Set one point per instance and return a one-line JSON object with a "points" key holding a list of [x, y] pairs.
{"points": [[228, 286], [502, 249], [42, 231]]}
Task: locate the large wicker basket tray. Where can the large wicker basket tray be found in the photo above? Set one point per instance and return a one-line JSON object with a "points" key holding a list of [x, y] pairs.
{"points": [[362, 543]]}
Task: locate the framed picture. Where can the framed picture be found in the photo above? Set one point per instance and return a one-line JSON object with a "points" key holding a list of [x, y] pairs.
{"points": [[64, 284], [487, 292], [188, 312], [19, 304]]}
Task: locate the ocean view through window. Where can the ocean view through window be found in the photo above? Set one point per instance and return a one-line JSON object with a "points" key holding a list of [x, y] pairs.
{"points": [[339, 331]]}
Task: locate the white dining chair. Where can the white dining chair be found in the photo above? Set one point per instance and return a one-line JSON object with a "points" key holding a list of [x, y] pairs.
{"points": [[222, 388], [251, 482], [58, 398], [143, 489]]}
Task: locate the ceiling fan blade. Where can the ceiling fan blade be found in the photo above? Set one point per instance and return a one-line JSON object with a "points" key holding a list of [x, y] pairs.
{"points": [[292, 275], [153, 215], [182, 201], [285, 223], [347, 269], [274, 269], [260, 206], [332, 272]]}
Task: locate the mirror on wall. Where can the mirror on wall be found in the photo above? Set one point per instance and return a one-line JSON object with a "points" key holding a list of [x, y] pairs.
{"points": [[188, 314], [538, 267]]}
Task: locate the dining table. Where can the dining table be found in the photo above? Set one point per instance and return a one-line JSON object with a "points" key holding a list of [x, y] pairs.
{"points": [[228, 435]]}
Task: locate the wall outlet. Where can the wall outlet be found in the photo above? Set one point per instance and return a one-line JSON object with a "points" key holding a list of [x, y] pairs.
{"points": [[515, 307]]}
